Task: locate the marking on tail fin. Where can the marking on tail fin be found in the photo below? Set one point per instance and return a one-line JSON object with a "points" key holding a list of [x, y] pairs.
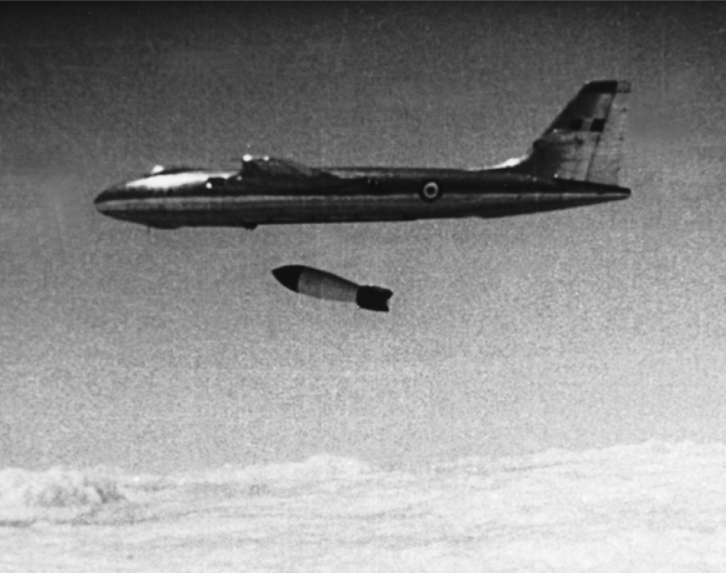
{"points": [[584, 142]]}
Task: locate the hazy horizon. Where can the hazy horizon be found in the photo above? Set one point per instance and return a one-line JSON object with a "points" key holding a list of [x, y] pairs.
{"points": [[651, 507]]}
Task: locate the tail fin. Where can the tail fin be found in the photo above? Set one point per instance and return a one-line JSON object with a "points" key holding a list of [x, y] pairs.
{"points": [[584, 142]]}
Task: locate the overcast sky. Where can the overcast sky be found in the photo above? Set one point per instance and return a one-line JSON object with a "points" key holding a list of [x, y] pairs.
{"points": [[177, 350]]}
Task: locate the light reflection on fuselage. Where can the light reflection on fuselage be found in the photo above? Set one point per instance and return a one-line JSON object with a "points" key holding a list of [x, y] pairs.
{"points": [[235, 199]]}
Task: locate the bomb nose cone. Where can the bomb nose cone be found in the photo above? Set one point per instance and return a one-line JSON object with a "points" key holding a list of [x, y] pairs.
{"points": [[288, 276]]}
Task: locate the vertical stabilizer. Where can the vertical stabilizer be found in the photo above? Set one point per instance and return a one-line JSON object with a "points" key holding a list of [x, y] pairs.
{"points": [[584, 142]]}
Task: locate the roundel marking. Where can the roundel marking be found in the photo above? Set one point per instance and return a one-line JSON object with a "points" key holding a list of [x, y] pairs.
{"points": [[430, 192]]}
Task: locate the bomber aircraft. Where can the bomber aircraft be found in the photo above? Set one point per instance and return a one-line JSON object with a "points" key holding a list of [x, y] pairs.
{"points": [[575, 162]]}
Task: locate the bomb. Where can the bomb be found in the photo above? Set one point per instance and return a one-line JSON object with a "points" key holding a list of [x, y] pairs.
{"points": [[327, 286]]}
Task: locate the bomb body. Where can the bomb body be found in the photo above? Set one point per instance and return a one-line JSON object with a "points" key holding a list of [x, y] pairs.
{"points": [[327, 286]]}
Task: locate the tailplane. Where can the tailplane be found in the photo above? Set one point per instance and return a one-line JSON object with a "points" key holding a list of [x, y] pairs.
{"points": [[584, 142]]}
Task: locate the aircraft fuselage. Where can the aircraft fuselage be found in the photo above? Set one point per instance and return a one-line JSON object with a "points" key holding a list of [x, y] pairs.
{"points": [[197, 197]]}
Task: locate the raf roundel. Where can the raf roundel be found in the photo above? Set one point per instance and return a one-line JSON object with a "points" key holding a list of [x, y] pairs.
{"points": [[430, 192]]}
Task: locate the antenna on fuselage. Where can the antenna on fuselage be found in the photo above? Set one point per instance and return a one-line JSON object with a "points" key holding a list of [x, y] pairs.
{"points": [[244, 161], [246, 158]]}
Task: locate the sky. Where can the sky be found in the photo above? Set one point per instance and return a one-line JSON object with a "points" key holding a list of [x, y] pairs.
{"points": [[167, 351]]}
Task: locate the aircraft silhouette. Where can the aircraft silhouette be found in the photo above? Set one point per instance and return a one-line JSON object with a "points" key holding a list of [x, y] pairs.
{"points": [[575, 162]]}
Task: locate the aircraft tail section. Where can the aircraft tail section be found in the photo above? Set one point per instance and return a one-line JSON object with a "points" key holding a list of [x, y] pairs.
{"points": [[584, 142]]}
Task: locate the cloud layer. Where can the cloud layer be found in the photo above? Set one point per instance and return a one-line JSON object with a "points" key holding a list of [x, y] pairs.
{"points": [[650, 507]]}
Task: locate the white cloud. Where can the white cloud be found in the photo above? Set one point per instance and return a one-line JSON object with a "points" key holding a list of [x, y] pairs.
{"points": [[651, 507]]}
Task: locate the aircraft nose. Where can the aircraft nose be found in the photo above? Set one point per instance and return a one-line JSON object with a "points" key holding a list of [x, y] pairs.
{"points": [[102, 199]]}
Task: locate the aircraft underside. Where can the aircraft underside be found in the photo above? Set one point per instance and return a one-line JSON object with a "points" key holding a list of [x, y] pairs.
{"points": [[250, 211]]}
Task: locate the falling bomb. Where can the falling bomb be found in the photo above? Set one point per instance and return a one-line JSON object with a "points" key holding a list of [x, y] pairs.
{"points": [[327, 286]]}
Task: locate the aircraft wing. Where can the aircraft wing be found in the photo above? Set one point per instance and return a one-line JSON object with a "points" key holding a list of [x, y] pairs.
{"points": [[263, 173]]}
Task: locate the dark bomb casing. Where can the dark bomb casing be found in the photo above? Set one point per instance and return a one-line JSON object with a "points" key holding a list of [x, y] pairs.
{"points": [[327, 286]]}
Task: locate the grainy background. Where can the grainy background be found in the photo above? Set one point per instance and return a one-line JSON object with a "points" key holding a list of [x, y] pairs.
{"points": [[177, 350]]}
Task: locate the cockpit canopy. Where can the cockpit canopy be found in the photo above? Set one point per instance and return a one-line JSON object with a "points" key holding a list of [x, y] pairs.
{"points": [[274, 166], [162, 170], [252, 166]]}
